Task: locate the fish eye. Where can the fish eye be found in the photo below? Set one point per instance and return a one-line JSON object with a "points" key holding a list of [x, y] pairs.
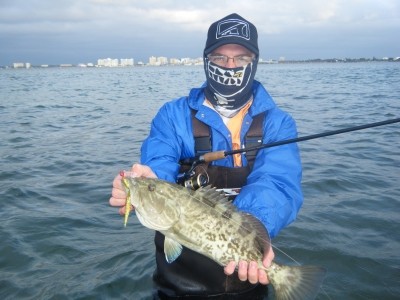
{"points": [[151, 187]]}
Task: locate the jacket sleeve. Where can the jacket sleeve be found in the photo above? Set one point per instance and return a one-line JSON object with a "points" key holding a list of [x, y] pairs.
{"points": [[168, 139], [273, 191]]}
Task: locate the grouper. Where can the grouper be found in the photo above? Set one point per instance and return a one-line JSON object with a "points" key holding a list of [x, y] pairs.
{"points": [[206, 222]]}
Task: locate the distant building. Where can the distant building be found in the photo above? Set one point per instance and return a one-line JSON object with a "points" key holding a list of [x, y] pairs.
{"points": [[18, 65], [127, 62], [163, 60], [174, 61], [107, 62], [152, 61], [158, 61], [186, 61], [114, 62]]}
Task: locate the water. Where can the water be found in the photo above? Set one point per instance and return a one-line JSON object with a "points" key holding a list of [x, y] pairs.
{"points": [[65, 134]]}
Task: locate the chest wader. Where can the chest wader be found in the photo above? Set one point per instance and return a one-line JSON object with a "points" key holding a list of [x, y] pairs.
{"points": [[193, 275]]}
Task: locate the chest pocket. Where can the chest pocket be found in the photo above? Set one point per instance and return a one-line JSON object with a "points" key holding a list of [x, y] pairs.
{"points": [[202, 137]]}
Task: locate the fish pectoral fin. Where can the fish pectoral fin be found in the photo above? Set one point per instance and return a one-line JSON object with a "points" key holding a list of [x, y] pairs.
{"points": [[172, 249]]}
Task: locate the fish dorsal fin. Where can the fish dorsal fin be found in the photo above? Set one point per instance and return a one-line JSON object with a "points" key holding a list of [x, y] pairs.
{"points": [[215, 199], [251, 223]]}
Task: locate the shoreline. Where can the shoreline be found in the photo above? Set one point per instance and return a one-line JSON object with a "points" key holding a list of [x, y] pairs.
{"points": [[269, 62]]}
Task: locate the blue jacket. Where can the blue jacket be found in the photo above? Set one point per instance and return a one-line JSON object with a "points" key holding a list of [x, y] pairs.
{"points": [[273, 190]]}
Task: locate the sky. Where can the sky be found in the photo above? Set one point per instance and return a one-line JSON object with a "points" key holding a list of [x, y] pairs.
{"points": [[82, 31]]}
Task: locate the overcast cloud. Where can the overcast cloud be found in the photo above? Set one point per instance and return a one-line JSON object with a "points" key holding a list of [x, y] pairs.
{"points": [[81, 31]]}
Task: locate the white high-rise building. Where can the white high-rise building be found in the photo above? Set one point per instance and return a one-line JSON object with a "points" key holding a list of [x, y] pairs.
{"points": [[127, 62], [107, 62], [18, 65]]}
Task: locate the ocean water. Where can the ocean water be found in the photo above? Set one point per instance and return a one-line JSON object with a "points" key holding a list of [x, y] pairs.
{"points": [[65, 134]]}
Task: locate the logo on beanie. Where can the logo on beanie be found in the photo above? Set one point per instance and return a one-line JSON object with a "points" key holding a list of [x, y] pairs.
{"points": [[233, 28]]}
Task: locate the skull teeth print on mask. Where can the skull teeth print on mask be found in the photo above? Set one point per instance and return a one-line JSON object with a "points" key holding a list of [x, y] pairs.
{"points": [[229, 88], [226, 76]]}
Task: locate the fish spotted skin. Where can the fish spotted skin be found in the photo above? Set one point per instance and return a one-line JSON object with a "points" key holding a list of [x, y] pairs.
{"points": [[206, 222]]}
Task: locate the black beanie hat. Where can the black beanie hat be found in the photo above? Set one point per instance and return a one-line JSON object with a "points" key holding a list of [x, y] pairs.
{"points": [[232, 29]]}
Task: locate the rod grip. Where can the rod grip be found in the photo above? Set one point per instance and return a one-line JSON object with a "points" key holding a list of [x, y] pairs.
{"points": [[211, 156]]}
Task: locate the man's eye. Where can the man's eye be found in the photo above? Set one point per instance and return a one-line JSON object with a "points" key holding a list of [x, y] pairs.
{"points": [[242, 58], [218, 58]]}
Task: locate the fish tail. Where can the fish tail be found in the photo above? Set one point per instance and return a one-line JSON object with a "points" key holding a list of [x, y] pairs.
{"points": [[296, 282]]}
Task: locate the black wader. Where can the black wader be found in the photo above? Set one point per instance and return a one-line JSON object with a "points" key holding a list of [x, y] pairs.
{"points": [[193, 275]]}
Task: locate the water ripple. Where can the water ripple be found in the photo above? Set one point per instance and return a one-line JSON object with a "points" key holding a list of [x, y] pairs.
{"points": [[66, 132]]}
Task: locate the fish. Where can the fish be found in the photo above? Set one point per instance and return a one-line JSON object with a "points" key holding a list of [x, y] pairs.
{"points": [[205, 221]]}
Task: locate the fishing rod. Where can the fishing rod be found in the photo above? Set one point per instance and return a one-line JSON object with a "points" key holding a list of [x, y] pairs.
{"points": [[212, 156], [193, 181]]}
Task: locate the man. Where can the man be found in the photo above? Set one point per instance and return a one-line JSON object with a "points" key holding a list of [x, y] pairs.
{"points": [[228, 103]]}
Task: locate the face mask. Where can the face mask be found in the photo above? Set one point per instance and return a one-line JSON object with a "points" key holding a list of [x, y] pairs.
{"points": [[228, 88]]}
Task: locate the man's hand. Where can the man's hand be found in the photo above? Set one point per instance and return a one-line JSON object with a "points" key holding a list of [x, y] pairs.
{"points": [[250, 271], [118, 195]]}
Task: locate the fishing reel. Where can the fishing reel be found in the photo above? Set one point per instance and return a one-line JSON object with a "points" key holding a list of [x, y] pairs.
{"points": [[194, 178], [196, 181]]}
